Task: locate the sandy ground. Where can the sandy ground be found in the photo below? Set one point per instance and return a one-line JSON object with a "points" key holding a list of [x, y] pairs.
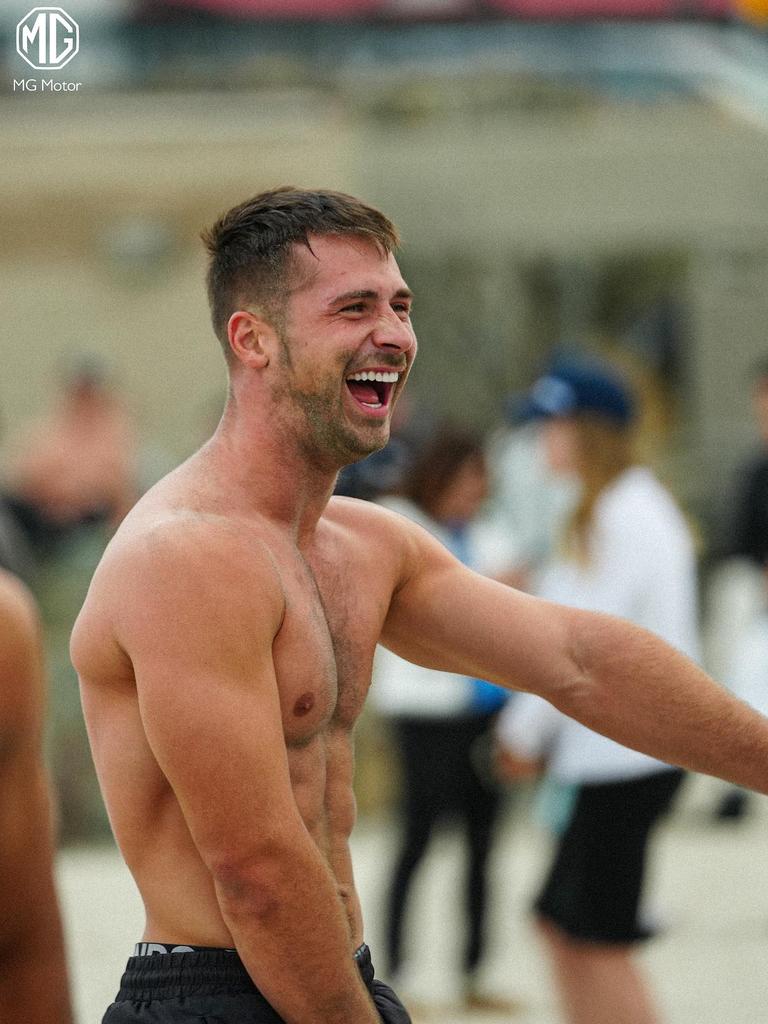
{"points": [[710, 887]]}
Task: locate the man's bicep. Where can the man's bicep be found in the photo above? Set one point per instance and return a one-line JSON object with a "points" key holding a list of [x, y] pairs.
{"points": [[448, 617], [216, 733], [200, 645]]}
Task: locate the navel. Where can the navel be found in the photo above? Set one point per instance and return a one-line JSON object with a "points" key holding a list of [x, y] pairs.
{"points": [[304, 704]]}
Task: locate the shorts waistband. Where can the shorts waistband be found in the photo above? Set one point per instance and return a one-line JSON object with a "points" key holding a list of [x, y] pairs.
{"points": [[161, 948], [170, 971]]}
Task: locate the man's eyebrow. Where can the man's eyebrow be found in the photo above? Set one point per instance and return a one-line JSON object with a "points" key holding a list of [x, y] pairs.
{"points": [[367, 293]]}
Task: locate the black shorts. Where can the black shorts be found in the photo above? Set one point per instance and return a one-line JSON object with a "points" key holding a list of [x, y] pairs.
{"points": [[594, 887], [213, 985]]}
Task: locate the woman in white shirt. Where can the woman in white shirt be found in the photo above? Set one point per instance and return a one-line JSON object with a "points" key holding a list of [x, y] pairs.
{"points": [[626, 551]]}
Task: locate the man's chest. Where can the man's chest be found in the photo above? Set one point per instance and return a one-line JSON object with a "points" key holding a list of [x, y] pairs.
{"points": [[335, 610]]}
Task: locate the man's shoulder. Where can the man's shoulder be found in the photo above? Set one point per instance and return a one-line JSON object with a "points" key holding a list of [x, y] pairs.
{"points": [[174, 569], [366, 531], [188, 535], [367, 517], [178, 555]]}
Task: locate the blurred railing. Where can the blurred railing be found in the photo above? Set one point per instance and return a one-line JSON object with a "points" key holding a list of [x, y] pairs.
{"points": [[194, 48]]}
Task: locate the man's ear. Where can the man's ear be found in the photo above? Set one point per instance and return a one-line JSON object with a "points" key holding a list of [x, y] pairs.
{"points": [[252, 339]]}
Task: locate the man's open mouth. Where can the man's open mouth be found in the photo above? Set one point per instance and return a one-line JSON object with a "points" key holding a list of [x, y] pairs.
{"points": [[372, 389]]}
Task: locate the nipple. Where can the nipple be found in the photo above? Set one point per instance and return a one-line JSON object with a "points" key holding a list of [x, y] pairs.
{"points": [[304, 704]]}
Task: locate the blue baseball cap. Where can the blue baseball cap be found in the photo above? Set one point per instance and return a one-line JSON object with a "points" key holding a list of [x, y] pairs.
{"points": [[570, 388]]}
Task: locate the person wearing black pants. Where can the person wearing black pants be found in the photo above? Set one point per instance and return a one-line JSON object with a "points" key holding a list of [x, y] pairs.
{"points": [[443, 780], [442, 722]]}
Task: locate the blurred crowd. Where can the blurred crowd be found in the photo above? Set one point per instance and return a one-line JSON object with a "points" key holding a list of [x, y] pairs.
{"points": [[555, 501]]}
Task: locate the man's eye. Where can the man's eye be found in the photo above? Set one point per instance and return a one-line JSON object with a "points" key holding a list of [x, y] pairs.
{"points": [[356, 307], [402, 307]]}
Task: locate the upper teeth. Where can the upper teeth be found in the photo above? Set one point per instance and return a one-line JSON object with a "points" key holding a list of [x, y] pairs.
{"points": [[384, 378]]}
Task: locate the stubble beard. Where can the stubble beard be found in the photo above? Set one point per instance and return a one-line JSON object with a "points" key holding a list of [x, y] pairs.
{"points": [[323, 435]]}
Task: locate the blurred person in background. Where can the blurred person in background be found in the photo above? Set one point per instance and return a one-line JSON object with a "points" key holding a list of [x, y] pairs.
{"points": [[33, 976], [76, 466], [16, 555], [748, 529], [442, 723], [528, 502], [626, 551], [737, 588], [747, 674]]}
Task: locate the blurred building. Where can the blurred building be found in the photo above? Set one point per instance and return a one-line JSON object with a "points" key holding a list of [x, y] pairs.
{"points": [[558, 180], [595, 181]]}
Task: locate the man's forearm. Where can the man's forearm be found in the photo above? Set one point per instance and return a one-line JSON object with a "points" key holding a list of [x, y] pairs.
{"points": [[638, 690], [291, 931]]}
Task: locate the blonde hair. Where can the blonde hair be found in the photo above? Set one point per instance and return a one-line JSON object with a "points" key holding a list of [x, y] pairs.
{"points": [[604, 450]]}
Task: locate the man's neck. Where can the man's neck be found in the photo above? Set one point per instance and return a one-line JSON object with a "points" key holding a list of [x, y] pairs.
{"points": [[269, 472]]}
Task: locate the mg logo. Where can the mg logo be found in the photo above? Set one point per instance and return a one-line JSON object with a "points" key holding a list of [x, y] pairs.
{"points": [[47, 38]]}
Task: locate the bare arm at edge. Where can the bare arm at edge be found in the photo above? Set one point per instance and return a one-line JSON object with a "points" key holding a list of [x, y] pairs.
{"points": [[612, 676], [33, 973], [207, 613]]}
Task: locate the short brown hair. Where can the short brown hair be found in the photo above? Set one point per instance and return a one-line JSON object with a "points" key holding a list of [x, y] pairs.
{"points": [[250, 245]]}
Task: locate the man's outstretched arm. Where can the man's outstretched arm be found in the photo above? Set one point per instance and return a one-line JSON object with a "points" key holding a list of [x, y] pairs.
{"points": [[33, 974], [614, 677], [199, 630]]}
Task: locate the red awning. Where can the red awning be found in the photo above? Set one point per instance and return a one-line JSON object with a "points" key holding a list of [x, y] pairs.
{"points": [[285, 8], [407, 9]]}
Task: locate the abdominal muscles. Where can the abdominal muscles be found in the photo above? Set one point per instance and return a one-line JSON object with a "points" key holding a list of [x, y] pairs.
{"points": [[176, 886]]}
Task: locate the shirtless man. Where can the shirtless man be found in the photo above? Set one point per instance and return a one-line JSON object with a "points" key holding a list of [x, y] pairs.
{"points": [[225, 646], [33, 974]]}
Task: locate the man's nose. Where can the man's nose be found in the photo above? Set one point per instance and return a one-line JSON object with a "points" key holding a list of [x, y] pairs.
{"points": [[393, 333]]}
